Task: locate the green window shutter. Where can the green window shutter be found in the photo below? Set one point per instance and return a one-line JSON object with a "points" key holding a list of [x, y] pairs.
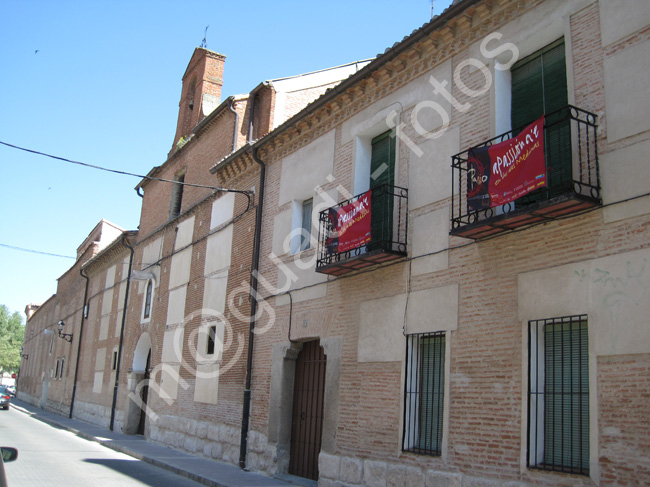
{"points": [[382, 172], [432, 380], [566, 416], [539, 86]]}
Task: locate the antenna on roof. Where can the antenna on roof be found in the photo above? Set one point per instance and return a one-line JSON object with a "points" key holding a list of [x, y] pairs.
{"points": [[431, 8], [204, 42]]}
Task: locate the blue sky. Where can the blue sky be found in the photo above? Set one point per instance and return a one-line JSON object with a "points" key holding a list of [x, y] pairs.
{"points": [[99, 82]]}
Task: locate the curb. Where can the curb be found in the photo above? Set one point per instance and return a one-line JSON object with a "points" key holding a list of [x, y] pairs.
{"points": [[122, 449]]}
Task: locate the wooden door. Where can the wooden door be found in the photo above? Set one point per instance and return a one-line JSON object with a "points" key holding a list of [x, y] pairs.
{"points": [[144, 395], [307, 416]]}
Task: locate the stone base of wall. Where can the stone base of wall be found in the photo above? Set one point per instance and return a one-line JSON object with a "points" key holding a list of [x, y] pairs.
{"points": [[92, 413], [339, 471], [28, 398], [264, 457], [58, 408], [216, 441], [52, 406]]}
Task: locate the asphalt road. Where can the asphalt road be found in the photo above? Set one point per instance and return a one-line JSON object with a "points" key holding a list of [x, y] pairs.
{"points": [[49, 456]]}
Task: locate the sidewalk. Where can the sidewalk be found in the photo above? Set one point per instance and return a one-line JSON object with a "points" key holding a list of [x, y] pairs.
{"points": [[202, 470]]}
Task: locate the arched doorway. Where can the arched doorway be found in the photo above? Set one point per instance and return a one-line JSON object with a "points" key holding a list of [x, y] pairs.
{"points": [[138, 390]]}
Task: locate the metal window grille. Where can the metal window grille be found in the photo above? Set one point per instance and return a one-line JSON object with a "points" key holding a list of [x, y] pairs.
{"points": [[424, 393], [558, 402]]}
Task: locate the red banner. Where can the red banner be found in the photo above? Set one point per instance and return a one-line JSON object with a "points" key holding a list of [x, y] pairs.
{"points": [[352, 224], [501, 173]]}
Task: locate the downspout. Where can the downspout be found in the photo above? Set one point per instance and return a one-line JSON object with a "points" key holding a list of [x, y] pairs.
{"points": [[234, 132], [119, 350], [243, 444], [81, 330]]}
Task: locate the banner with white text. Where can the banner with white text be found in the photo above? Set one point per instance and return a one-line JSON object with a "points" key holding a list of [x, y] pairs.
{"points": [[501, 173], [352, 223]]}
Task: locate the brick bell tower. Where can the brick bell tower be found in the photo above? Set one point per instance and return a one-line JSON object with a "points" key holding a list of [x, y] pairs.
{"points": [[201, 91]]}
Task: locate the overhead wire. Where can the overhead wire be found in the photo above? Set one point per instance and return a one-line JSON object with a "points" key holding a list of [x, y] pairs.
{"points": [[36, 251], [125, 173], [246, 193]]}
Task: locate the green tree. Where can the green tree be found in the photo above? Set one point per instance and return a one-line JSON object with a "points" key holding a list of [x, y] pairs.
{"points": [[12, 332]]}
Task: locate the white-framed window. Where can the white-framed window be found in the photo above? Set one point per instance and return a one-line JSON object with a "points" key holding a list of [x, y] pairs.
{"points": [[558, 397], [424, 393], [61, 368], [302, 225]]}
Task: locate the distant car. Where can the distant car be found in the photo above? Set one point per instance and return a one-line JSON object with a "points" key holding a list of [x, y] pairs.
{"points": [[11, 390], [5, 398]]}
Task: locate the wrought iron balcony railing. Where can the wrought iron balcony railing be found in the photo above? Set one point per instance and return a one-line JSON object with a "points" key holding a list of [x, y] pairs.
{"points": [[383, 238], [573, 182]]}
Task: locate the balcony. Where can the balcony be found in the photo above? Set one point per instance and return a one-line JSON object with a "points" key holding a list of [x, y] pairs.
{"points": [[384, 240], [573, 183]]}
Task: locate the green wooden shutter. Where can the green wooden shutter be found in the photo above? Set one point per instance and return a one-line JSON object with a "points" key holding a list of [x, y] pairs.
{"points": [[382, 172], [566, 414], [432, 386], [539, 87]]}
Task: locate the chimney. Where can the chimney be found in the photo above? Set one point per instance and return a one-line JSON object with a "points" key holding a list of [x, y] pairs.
{"points": [[30, 309], [201, 92]]}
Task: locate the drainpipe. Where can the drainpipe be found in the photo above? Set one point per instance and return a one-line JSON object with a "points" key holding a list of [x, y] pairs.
{"points": [[81, 330], [243, 444], [234, 132], [119, 350]]}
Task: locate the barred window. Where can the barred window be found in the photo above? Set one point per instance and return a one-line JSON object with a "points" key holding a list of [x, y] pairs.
{"points": [[558, 403], [424, 393]]}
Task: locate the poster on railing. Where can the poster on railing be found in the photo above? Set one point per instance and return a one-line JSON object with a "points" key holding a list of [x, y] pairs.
{"points": [[501, 173], [352, 224]]}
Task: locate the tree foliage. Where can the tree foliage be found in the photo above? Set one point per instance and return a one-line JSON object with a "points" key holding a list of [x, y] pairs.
{"points": [[12, 332]]}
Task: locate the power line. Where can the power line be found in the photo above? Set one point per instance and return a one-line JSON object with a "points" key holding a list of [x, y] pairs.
{"points": [[125, 173], [36, 251]]}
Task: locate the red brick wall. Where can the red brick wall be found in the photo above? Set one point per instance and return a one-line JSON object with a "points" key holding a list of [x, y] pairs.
{"points": [[624, 419]]}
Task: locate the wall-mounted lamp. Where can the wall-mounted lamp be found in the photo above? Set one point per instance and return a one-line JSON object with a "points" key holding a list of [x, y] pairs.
{"points": [[23, 355], [65, 336]]}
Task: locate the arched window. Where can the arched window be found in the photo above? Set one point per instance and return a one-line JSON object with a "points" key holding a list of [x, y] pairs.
{"points": [[148, 299]]}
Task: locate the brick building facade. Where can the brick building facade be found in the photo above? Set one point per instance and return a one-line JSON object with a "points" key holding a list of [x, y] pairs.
{"points": [[462, 345], [453, 341]]}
